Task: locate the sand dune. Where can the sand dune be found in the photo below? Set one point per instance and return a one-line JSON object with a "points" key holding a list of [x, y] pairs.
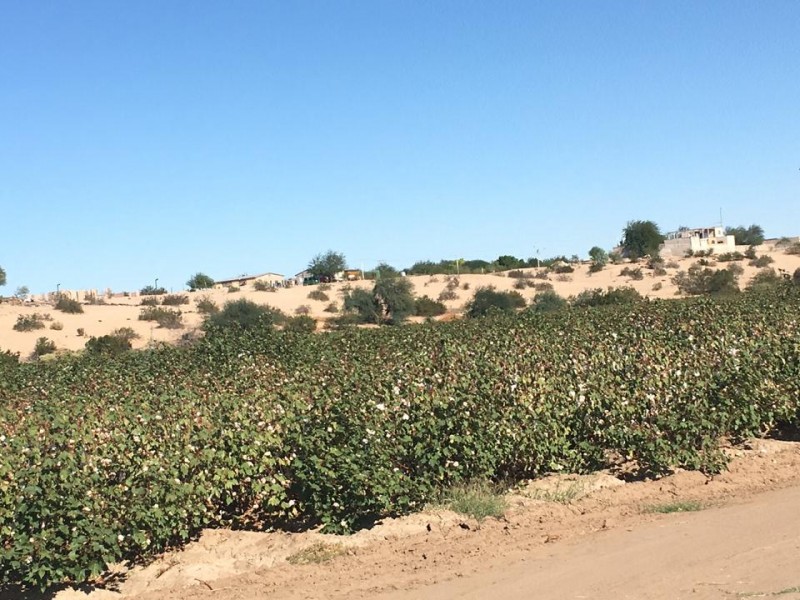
{"points": [[124, 312]]}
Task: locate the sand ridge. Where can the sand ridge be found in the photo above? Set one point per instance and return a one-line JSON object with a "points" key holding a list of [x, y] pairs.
{"points": [[120, 312]]}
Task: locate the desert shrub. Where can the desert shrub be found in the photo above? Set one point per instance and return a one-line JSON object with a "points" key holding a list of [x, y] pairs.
{"points": [[318, 295], [452, 283], [659, 272], [332, 308], [548, 301], [150, 290], [56, 326], [465, 286], [487, 300], [447, 295], [596, 267], [149, 301], [126, 333], [655, 262], [29, 322], [44, 346], [170, 319], [765, 277], [81, 332], [793, 248], [108, 345], [563, 277], [563, 269], [361, 306], [615, 257], [736, 269], [517, 274], [673, 265], [324, 287], [206, 306], [301, 323], [68, 305], [520, 284], [704, 262], [232, 289], [243, 314], [697, 281], [796, 276], [303, 309], [175, 300], [657, 286], [730, 256], [264, 286], [426, 307], [762, 261], [611, 296], [541, 274], [750, 253], [635, 274], [542, 286], [93, 299], [165, 317]]}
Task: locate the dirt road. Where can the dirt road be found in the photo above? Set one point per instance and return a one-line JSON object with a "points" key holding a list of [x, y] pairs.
{"points": [[750, 550]]}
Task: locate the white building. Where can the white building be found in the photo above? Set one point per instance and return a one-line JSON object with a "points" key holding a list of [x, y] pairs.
{"points": [[678, 243]]}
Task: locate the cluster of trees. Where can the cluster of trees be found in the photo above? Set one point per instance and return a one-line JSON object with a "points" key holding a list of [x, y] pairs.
{"points": [[747, 236]]}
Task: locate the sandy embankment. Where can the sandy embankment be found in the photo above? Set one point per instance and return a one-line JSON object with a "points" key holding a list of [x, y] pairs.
{"points": [[565, 536]]}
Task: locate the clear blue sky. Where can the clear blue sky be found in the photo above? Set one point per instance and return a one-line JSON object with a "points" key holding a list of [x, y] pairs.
{"points": [[150, 139]]}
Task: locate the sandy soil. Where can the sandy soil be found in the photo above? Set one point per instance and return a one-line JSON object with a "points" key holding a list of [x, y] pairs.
{"points": [[124, 312], [562, 537]]}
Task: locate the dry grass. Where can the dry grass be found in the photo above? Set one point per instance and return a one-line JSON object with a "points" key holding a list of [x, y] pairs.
{"points": [[316, 554]]}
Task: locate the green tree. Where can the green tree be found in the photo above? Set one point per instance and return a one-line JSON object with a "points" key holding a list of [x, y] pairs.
{"points": [[747, 236], [640, 238], [363, 306], [396, 298], [383, 271], [22, 291], [423, 267], [598, 256], [507, 261], [200, 281], [327, 265], [2, 276]]}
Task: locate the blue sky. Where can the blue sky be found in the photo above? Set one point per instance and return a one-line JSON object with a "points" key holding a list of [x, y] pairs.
{"points": [[157, 139]]}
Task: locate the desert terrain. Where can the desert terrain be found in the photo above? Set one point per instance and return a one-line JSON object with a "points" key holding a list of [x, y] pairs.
{"points": [[118, 311]]}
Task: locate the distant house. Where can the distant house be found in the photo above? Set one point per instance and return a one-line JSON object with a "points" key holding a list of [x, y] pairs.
{"points": [[243, 280], [678, 243]]}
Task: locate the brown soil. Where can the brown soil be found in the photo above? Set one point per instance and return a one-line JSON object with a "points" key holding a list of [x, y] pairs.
{"points": [[562, 537]]}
